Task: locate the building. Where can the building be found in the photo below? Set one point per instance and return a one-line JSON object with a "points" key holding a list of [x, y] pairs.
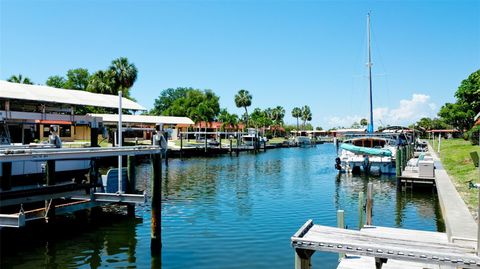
{"points": [[27, 111], [142, 126]]}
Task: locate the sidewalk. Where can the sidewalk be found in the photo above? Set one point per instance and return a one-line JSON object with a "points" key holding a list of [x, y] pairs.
{"points": [[460, 225]]}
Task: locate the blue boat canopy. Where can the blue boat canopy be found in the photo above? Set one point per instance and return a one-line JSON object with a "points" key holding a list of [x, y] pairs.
{"points": [[366, 151]]}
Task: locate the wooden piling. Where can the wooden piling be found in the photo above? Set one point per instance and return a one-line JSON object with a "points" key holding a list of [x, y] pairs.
{"points": [[6, 183], [398, 166], [303, 258], [50, 204], [264, 146], [231, 147], [369, 203], [156, 226], [341, 225], [238, 144], [93, 137], [206, 145], [131, 181], [361, 203], [220, 139], [181, 145]]}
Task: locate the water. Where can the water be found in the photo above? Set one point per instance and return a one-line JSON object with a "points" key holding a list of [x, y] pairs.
{"points": [[226, 212]]}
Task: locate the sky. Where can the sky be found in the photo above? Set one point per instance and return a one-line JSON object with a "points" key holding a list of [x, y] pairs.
{"points": [[287, 53]]}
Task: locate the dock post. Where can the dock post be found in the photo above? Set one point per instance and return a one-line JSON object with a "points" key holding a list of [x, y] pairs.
{"points": [[220, 139], [50, 204], [156, 226], [264, 146], [369, 203], [6, 183], [302, 258], [238, 144], [181, 145], [398, 168], [341, 225], [361, 203], [206, 142], [131, 181]]}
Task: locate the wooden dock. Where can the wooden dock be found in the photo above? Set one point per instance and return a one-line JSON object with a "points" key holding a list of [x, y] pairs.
{"points": [[381, 244], [409, 179]]}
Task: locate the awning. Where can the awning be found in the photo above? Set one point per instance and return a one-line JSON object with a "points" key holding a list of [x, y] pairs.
{"points": [[54, 122]]}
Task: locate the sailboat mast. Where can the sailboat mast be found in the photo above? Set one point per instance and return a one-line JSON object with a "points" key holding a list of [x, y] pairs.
{"points": [[370, 124]]}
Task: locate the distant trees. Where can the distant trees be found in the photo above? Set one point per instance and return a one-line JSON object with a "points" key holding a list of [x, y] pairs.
{"points": [[306, 115], [297, 113], [243, 99], [77, 79], [56, 81], [228, 120], [363, 122], [19, 79], [166, 99]]}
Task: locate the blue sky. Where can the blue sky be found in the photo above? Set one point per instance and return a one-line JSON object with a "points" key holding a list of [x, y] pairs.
{"points": [[288, 53]]}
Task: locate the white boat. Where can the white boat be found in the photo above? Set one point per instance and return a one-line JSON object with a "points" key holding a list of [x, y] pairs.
{"points": [[303, 141], [370, 153]]}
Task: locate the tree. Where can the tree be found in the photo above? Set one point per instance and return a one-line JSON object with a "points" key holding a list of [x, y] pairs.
{"points": [[363, 122], [297, 113], [243, 99], [306, 114], [56, 81], [77, 79], [166, 99], [468, 92], [458, 115], [278, 113], [356, 125], [124, 75], [318, 128], [228, 120], [19, 79], [101, 82]]}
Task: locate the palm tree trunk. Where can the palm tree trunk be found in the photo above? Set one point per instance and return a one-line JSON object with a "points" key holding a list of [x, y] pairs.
{"points": [[297, 126], [246, 114]]}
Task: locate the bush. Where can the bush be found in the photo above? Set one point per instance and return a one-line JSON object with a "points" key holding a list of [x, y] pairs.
{"points": [[473, 135]]}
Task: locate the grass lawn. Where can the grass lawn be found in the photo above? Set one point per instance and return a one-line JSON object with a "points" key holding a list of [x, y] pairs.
{"points": [[455, 156]]}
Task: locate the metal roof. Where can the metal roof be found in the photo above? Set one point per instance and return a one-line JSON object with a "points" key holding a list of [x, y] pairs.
{"points": [[40, 93], [108, 118]]}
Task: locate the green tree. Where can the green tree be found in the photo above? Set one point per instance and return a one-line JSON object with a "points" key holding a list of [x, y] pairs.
{"points": [[278, 113], [356, 125], [167, 98], [318, 128], [468, 92], [56, 81], [243, 99], [19, 79], [77, 79], [458, 115], [124, 75], [101, 82], [363, 122], [297, 113], [306, 115]]}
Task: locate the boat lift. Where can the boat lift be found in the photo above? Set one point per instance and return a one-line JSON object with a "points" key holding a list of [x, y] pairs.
{"points": [[71, 191]]}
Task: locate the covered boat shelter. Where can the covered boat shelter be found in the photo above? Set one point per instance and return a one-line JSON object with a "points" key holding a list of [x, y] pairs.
{"points": [[142, 126], [26, 112]]}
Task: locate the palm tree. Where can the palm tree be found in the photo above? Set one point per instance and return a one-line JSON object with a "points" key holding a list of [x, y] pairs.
{"points": [[296, 113], [20, 79], [306, 115], [278, 113], [124, 74], [243, 99], [101, 82]]}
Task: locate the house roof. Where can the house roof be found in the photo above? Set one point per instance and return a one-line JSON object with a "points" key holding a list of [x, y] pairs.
{"points": [[146, 119], [41, 93]]}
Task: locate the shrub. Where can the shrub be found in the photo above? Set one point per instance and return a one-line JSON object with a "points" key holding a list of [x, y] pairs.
{"points": [[473, 134]]}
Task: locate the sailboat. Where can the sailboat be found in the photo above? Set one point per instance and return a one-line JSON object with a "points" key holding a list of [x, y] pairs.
{"points": [[372, 153]]}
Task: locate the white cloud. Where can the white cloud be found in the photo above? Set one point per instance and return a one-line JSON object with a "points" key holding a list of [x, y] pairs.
{"points": [[408, 111]]}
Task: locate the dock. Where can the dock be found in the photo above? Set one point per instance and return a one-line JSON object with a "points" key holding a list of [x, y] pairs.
{"points": [[382, 244]]}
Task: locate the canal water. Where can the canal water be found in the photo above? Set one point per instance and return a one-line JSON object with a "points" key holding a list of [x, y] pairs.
{"points": [[224, 212]]}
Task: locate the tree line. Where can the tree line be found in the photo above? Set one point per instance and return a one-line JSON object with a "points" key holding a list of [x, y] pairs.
{"points": [[199, 105], [459, 115]]}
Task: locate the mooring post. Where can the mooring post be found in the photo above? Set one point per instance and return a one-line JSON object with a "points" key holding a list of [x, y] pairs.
{"points": [[131, 181], [303, 258], [264, 146], [181, 145], [341, 225], [156, 226], [398, 166], [361, 203], [231, 143], [206, 142], [238, 144], [220, 139], [50, 204], [369, 203], [6, 183]]}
